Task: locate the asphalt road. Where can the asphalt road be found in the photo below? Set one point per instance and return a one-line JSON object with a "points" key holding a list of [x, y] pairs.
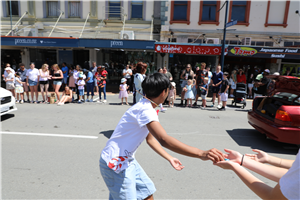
{"points": [[62, 161]]}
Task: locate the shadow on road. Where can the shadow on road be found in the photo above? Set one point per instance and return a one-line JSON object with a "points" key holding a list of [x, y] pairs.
{"points": [[255, 140], [6, 117], [107, 133]]}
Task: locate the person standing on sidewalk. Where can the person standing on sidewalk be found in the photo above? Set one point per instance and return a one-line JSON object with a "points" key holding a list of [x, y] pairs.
{"points": [[65, 71], [22, 72], [186, 74], [200, 75], [101, 76], [32, 81], [127, 73], [216, 84], [93, 69]]}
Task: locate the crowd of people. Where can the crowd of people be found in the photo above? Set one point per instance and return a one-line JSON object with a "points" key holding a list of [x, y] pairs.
{"points": [[85, 83]]}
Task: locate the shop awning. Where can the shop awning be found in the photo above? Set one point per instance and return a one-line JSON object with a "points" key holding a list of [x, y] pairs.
{"points": [[38, 41], [189, 48], [117, 44], [264, 52]]}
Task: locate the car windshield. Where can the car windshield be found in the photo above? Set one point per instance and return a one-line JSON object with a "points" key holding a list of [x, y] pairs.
{"points": [[288, 97]]}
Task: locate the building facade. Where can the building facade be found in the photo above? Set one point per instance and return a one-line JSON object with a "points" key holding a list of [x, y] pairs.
{"points": [[271, 28]]}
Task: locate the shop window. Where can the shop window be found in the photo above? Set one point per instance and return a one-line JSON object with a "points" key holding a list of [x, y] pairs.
{"points": [[52, 9], [190, 40], [114, 9], [172, 40], [180, 12], [136, 9], [288, 44], [269, 44], [14, 8], [74, 9], [277, 13], [240, 11], [297, 44], [258, 43], [226, 41], [208, 12], [234, 42]]}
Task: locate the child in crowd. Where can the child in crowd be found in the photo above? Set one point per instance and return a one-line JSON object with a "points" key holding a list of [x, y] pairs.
{"points": [[189, 95], [172, 94], [121, 172], [204, 91], [67, 96], [19, 89], [123, 91], [223, 91], [10, 80], [80, 84]]}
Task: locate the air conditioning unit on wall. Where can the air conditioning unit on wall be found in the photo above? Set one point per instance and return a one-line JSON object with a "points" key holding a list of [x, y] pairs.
{"points": [[127, 35], [212, 40], [29, 32], [246, 41]]}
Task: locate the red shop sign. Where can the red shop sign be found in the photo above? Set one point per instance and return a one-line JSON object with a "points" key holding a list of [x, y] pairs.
{"points": [[188, 49]]}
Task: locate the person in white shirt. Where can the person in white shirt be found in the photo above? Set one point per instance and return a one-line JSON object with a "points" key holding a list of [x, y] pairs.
{"points": [[122, 174], [127, 73], [139, 77], [10, 80], [32, 81]]}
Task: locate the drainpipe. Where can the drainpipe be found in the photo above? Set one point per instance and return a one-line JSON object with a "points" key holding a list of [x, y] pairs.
{"points": [[84, 24], [61, 13]]}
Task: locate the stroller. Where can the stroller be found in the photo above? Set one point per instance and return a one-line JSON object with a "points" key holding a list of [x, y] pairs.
{"points": [[240, 95]]}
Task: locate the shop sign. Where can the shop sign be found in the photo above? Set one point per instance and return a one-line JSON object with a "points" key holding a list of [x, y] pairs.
{"points": [[264, 52], [38, 41], [117, 44], [188, 49]]}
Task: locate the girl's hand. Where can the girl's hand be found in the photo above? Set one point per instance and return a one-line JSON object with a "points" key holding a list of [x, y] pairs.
{"points": [[176, 164], [261, 156], [226, 164], [233, 156]]}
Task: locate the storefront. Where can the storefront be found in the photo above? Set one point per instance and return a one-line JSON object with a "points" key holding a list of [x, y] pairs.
{"points": [[275, 59], [176, 56], [116, 54]]}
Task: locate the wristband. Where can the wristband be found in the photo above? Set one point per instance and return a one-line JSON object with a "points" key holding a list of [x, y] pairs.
{"points": [[242, 160]]}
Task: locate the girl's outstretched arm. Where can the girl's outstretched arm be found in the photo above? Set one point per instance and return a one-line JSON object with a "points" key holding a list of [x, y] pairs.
{"points": [[257, 186]]}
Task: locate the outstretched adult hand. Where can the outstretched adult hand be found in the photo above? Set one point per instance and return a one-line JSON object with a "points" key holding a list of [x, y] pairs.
{"points": [[176, 164], [233, 156], [261, 156]]}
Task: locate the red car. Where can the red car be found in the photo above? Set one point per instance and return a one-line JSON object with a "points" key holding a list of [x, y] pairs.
{"points": [[278, 115]]}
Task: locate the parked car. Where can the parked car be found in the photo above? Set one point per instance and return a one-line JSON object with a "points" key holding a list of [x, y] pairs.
{"points": [[8, 102], [278, 115]]}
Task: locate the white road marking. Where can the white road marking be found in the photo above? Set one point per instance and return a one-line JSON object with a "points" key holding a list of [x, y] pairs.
{"points": [[50, 135]]}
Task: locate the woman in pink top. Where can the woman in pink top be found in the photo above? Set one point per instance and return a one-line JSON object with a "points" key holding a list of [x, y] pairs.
{"points": [[44, 82]]}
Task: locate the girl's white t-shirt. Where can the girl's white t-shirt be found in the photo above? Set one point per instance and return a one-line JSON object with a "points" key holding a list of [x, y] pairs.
{"points": [[130, 132], [17, 84], [33, 74], [290, 182], [10, 76]]}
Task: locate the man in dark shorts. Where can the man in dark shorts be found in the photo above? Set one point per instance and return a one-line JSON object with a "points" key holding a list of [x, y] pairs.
{"points": [[262, 84], [217, 78], [200, 75]]}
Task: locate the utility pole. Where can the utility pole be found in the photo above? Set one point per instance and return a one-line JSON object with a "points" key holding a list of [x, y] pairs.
{"points": [[224, 37], [10, 10]]}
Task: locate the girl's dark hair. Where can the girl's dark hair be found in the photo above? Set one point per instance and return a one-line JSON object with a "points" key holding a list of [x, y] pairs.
{"points": [[140, 68], [155, 84]]}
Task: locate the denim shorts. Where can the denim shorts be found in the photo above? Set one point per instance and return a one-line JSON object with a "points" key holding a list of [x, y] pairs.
{"points": [[81, 92], [57, 82], [131, 183], [32, 83], [65, 80]]}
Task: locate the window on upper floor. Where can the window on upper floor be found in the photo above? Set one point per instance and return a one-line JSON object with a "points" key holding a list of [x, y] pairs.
{"points": [[114, 9], [180, 12], [74, 9], [14, 8], [240, 11], [137, 9], [52, 9], [208, 12], [277, 13]]}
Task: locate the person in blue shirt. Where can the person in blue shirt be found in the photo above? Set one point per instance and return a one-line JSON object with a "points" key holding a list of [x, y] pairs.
{"points": [[217, 78], [65, 71], [89, 85]]}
